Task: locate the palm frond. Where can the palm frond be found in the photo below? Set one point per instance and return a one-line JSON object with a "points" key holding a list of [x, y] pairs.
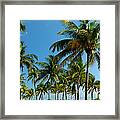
{"points": [[42, 64], [69, 33], [22, 27], [67, 59], [69, 24], [97, 56], [33, 56], [63, 53], [59, 45]]}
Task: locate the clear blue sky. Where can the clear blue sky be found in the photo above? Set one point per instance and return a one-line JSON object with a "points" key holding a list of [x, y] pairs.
{"points": [[41, 34]]}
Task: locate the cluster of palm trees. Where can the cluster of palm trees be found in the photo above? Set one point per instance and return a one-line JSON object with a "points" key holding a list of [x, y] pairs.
{"points": [[64, 76]]}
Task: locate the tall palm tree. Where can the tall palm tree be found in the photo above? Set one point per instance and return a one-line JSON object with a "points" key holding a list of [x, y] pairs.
{"points": [[80, 38], [97, 88], [22, 27], [23, 86], [48, 71], [28, 94], [41, 90], [33, 75], [77, 70], [93, 85], [64, 83], [26, 60], [25, 91], [54, 91]]}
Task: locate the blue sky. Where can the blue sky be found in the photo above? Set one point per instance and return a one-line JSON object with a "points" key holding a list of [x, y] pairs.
{"points": [[41, 34]]}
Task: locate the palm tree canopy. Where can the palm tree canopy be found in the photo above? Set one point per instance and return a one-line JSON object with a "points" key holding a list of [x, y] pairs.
{"points": [[83, 37], [22, 27], [48, 70], [27, 60]]}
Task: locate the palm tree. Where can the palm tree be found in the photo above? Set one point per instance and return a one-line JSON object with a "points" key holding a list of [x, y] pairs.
{"points": [[64, 83], [97, 88], [25, 91], [23, 86], [48, 71], [40, 90], [93, 85], [33, 76], [80, 38], [22, 27], [77, 70], [26, 60], [54, 91], [28, 94]]}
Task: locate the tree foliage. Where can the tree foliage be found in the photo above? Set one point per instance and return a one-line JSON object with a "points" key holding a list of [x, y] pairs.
{"points": [[65, 75]]}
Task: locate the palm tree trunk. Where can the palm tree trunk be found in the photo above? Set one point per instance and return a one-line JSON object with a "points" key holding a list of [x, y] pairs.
{"points": [[63, 96], [92, 95], [36, 97], [34, 88], [98, 95], [48, 95], [77, 92], [71, 96], [20, 94], [40, 95], [75, 95], [87, 75], [57, 96]]}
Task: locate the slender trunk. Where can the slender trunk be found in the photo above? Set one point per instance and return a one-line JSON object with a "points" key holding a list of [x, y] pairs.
{"points": [[34, 88], [57, 96], [20, 94], [71, 96], [77, 92], [63, 96], [98, 95], [36, 97], [87, 73], [40, 96], [92, 95], [48, 95], [75, 95]]}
